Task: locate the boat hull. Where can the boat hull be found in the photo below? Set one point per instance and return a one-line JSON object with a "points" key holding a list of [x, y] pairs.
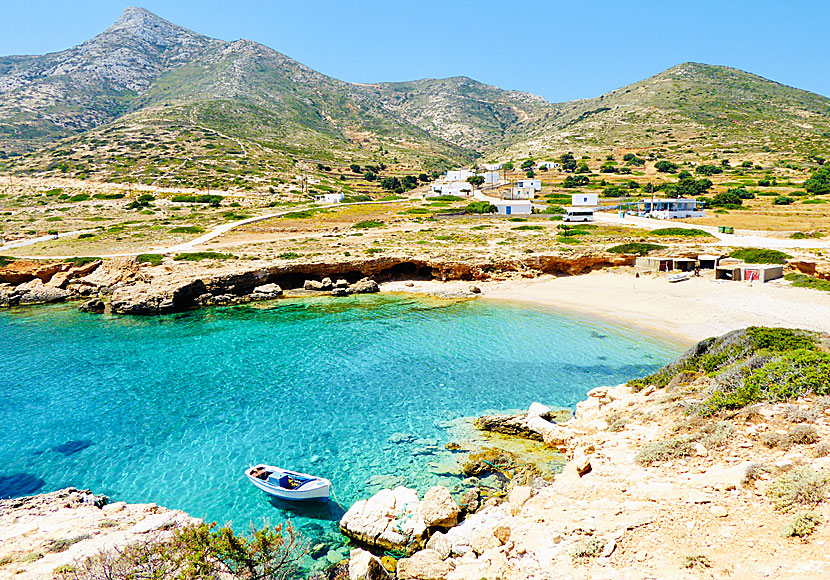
{"points": [[317, 489]]}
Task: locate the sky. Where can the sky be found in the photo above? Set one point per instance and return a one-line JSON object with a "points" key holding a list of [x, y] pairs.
{"points": [[560, 50]]}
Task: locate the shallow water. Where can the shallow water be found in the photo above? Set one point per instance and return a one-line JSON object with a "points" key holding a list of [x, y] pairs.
{"points": [[172, 409]]}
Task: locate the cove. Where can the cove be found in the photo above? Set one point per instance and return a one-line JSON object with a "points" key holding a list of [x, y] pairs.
{"points": [[361, 390]]}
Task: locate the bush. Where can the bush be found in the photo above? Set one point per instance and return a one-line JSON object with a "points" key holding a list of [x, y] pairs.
{"points": [[697, 561], [214, 200], [366, 224], [480, 207], [6, 260], [802, 486], [288, 256], [588, 548], [708, 169], [782, 200], [79, 197], [527, 228], [557, 209], [640, 248], [726, 199], [199, 256], [201, 551], [681, 233], [760, 256], [108, 196], [187, 230], [801, 525], [665, 166], [804, 281], [82, 261], [152, 259]]}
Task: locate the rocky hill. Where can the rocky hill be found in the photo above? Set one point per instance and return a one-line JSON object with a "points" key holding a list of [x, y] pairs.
{"points": [[150, 102]]}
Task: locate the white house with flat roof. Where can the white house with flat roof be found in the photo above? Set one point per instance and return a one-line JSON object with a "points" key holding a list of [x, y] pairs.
{"points": [[459, 175], [548, 165], [492, 166], [585, 199], [666, 209], [329, 198], [459, 188], [492, 178], [513, 206], [521, 193], [536, 184]]}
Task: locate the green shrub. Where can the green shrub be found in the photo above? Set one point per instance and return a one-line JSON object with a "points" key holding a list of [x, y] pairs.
{"points": [[640, 248], [555, 209], [302, 214], [588, 548], [152, 259], [446, 198], [480, 207], [760, 256], [289, 256], [199, 256], [79, 197], [187, 230], [82, 261], [804, 281], [367, 224], [802, 525], [108, 196], [782, 200], [204, 198], [6, 260], [527, 228], [681, 233], [802, 486]]}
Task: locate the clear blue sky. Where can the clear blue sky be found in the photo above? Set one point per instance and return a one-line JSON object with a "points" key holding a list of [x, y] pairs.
{"points": [[560, 50]]}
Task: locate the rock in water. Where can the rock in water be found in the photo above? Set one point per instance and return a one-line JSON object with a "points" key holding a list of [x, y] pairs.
{"points": [[266, 292], [390, 519], [93, 306], [365, 566], [439, 509]]}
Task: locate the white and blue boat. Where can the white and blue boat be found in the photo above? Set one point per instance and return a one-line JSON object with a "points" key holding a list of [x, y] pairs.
{"points": [[289, 485]]}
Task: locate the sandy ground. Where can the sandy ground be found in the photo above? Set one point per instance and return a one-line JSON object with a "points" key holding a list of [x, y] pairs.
{"points": [[686, 311]]}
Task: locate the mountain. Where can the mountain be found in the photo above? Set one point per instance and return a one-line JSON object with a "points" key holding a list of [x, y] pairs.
{"points": [[148, 101]]}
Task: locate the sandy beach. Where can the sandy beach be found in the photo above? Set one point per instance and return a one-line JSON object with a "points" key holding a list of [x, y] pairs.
{"points": [[687, 311]]}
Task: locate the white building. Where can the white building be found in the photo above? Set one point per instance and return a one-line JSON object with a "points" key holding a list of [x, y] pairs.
{"points": [[329, 198], [549, 164], [521, 193], [536, 184], [585, 199], [459, 188], [492, 177], [492, 166], [667, 209], [459, 175], [513, 206]]}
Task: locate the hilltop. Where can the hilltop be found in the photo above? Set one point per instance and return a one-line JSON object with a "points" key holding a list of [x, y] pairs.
{"points": [[147, 101]]}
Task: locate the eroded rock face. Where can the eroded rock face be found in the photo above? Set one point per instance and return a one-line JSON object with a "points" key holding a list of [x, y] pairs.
{"points": [[424, 565], [144, 299], [390, 520], [22, 271]]}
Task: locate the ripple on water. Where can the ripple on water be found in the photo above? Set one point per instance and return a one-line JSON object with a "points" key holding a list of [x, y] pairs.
{"points": [[173, 409]]}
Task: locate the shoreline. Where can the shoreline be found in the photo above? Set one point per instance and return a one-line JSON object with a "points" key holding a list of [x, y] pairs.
{"points": [[683, 313]]}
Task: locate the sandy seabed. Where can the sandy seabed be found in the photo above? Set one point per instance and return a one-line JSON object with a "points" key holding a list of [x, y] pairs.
{"points": [[686, 311]]}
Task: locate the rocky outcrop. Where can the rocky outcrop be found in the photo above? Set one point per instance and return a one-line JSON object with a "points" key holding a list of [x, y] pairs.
{"points": [[424, 565], [150, 299], [22, 271], [389, 520], [535, 425], [364, 566], [438, 508]]}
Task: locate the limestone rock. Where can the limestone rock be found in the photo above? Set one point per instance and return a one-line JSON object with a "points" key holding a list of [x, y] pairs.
{"points": [[502, 533], [323, 285], [341, 283], [145, 299], [438, 509], [424, 565], [471, 501], [93, 306], [483, 541], [475, 290], [340, 292], [441, 544], [582, 464], [35, 292], [365, 566], [266, 292], [518, 496], [365, 286], [390, 519], [538, 410]]}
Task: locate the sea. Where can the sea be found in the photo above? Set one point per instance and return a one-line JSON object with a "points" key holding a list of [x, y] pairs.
{"points": [[364, 390]]}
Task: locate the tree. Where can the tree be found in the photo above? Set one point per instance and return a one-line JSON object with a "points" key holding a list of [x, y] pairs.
{"points": [[508, 166], [530, 174], [475, 180], [708, 169], [480, 207], [819, 182], [567, 161], [369, 176], [648, 187], [613, 191], [528, 164], [355, 168], [725, 198], [665, 166], [583, 168], [423, 177], [575, 181], [390, 183]]}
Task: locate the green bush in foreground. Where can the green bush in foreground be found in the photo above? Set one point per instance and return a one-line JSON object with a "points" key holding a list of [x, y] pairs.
{"points": [[760, 256], [187, 230], [802, 525], [152, 259], [640, 248], [200, 551], [199, 256], [802, 486], [480, 207], [6, 260], [804, 281]]}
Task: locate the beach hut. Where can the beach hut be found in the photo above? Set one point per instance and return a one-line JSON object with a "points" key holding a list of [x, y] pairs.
{"points": [[761, 272], [654, 264], [728, 272], [708, 261], [684, 264]]}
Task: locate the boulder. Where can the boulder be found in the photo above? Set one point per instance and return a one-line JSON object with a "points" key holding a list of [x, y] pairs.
{"points": [[323, 285], [35, 292], [518, 496], [471, 501], [441, 544], [483, 541], [365, 286], [424, 565], [146, 299], [266, 292], [538, 410], [475, 290], [438, 509], [93, 306], [365, 566], [390, 519], [340, 292], [341, 283]]}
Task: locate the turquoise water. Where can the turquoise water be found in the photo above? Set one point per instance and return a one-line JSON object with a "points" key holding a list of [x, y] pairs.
{"points": [[172, 409]]}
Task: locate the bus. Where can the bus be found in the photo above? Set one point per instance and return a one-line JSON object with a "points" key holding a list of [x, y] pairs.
{"points": [[578, 214]]}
